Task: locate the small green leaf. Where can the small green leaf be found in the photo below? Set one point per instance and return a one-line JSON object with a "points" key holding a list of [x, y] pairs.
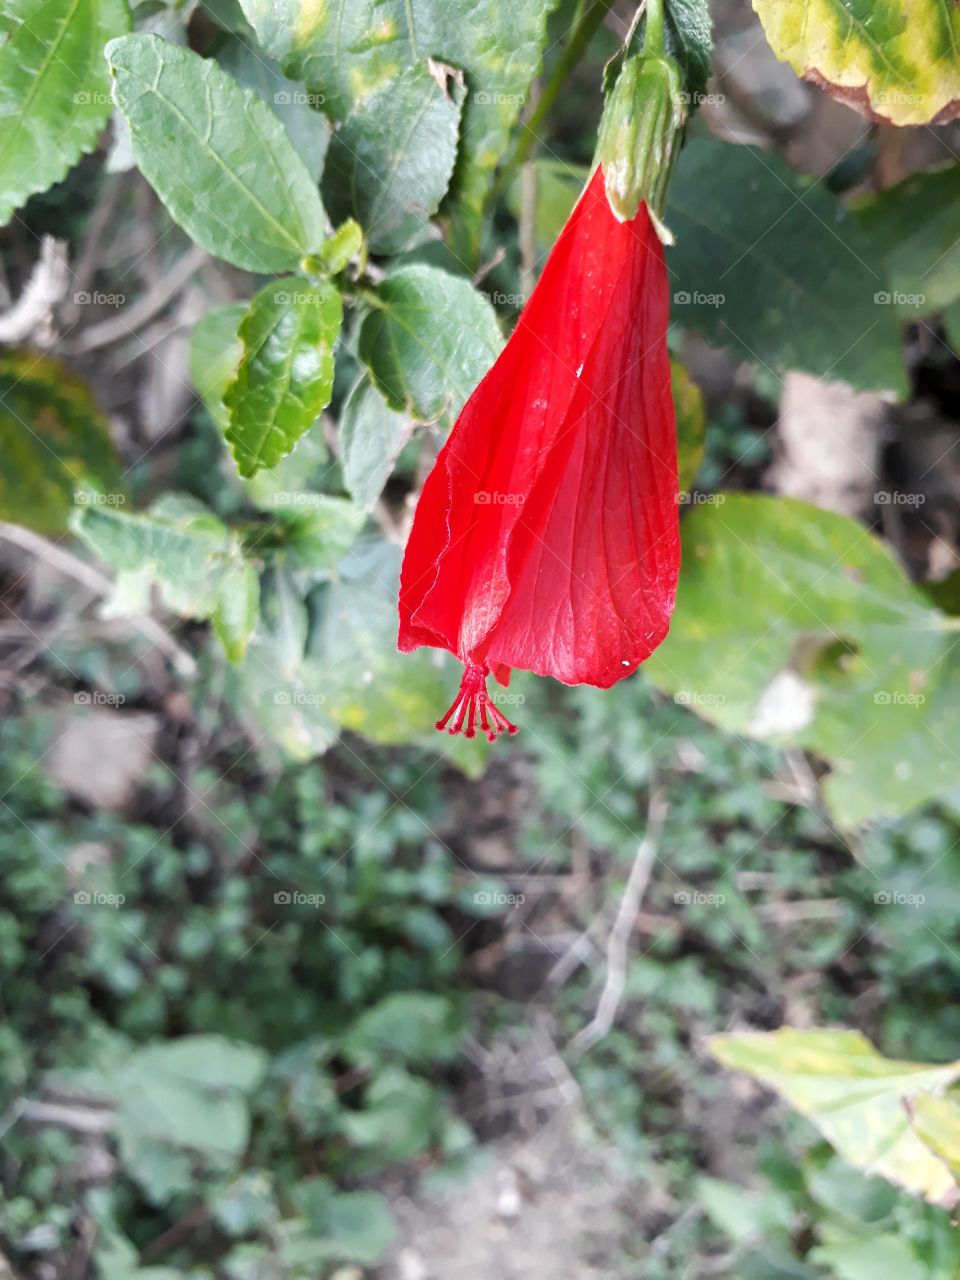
{"points": [[390, 162], [345, 243], [56, 447], [215, 351], [413, 1027], [216, 155], [54, 89], [898, 59], [371, 437], [855, 1097], [915, 227], [774, 266], [237, 608], [285, 375], [419, 360], [354, 1225]]}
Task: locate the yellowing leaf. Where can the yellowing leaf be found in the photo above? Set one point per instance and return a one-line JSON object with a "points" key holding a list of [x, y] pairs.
{"points": [[858, 1099], [895, 60]]}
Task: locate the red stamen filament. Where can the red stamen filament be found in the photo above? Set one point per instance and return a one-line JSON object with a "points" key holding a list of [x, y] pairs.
{"points": [[472, 698]]}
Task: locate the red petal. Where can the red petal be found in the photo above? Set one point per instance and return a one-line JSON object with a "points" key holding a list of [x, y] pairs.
{"points": [[546, 535]]}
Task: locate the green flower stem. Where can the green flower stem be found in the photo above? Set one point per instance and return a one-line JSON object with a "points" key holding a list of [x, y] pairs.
{"points": [[654, 41], [583, 32]]}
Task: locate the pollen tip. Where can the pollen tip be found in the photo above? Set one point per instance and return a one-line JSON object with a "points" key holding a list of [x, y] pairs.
{"points": [[473, 708]]}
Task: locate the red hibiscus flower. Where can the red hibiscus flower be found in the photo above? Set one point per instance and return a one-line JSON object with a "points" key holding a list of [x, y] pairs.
{"points": [[546, 537]]}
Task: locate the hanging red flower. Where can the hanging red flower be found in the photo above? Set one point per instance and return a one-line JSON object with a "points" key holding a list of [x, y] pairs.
{"points": [[546, 537]]}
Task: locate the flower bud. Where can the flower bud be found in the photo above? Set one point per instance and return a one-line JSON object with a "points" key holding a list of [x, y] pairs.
{"points": [[639, 135]]}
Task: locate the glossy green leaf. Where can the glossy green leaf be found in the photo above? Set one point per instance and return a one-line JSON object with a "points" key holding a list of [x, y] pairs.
{"points": [[915, 226], [371, 437], [772, 265], [856, 1098], [216, 155], [285, 375], [419, 360], [215, 351], [896, 59], [54, 89], [350, 48], [56, 447], [391, 160], [796, 625]]}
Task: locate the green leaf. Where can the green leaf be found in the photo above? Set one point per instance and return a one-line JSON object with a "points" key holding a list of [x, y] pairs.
{"points": [[689, 41], [854, 1096], [319, 534], [691, 416], [294, 107], [355, 1226], [915, 226], [180, 1102], [285, 622], [745, 1216], [194, 558], [413, 1027], [883, 1255], [419, 360], [391, 160], [898, 59], [237, 609], [772, 265], [797, 625], [54, 89], [215, 351], [217, 156], [56, 447], [349, 49], [371, 437], [285, 375]]}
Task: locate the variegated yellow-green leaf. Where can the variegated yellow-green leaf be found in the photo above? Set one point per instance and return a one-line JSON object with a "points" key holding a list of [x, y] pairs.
{"points": [[858, 1099], [897, 60], [936, 1122], [56, 447]]}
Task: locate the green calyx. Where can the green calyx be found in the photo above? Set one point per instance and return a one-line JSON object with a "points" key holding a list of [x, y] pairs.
{"points": [[640, 135]]}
